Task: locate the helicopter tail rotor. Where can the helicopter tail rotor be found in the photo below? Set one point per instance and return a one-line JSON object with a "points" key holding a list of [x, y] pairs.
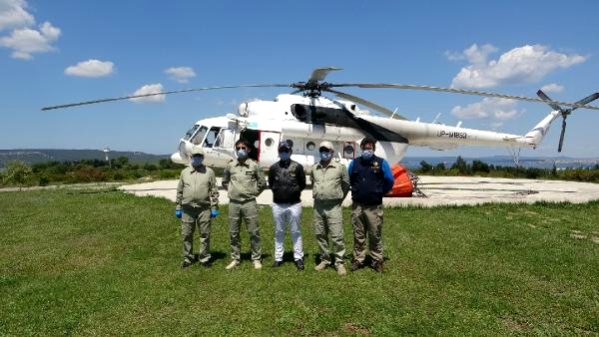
{"points": [[561, 135], [565, 112]]}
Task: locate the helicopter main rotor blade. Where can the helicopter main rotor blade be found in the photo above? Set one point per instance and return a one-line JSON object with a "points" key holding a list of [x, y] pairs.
{"points": [[549, 101], [457, 91], [103, 100], [319, 74], [365, 103]]}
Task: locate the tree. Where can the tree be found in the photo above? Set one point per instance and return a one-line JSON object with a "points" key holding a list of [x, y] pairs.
{"points": [[120, 162], [425, 167], [17, 173], [479, 166], [461, 165]]}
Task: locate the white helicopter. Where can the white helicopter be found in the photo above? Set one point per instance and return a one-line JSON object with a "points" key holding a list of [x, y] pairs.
{"points": [[307, 118]]}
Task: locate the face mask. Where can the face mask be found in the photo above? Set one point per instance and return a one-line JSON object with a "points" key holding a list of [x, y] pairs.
{"points": [[324, 156], [197, 161], [367, 154], [284, 155], [242, 154]]}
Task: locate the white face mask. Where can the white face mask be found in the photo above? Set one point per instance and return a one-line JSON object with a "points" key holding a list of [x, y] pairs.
{"points": [[242, 154], [197, 160], [367, 154], [326, 155], [284, 155]]}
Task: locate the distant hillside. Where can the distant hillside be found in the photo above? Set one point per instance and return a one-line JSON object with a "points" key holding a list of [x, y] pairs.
{"points": [[32, 156]]}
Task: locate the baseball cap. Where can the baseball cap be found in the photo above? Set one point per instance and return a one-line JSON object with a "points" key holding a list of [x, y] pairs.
{"points": [[327, 145], [286, 144]]}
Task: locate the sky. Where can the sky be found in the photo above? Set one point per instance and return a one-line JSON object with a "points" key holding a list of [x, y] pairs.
{"points": [[59, 51]]}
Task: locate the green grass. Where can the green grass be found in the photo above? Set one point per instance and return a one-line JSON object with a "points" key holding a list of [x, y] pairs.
{"points": [[107, 263]]}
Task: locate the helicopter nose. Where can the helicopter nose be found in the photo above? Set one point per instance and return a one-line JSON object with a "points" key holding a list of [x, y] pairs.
{"points": [[176, 158]]}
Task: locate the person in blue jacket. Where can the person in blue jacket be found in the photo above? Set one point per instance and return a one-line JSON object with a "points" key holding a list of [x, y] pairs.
{"points": [[370, 179]]}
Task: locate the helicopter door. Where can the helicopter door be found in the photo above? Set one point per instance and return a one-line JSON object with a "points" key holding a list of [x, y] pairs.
{"points": [[269, 142], [253, 137]]}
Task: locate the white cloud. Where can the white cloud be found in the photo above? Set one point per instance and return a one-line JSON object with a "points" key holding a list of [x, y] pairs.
{"points": [[91, 68], [474, 54], [149, 89], [552, 87], [13, 14], [497, 110], [27, 41], [522, 64], [180, 74]]}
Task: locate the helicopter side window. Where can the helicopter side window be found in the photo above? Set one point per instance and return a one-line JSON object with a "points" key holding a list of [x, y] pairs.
{"points": [[199, 136], [349, 150], [190, 132], [211, 137]]}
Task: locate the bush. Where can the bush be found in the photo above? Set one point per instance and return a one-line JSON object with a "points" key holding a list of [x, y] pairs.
{"points": [[44, 181], [86, 174], [169, 174], [150, 167], [17, 173]]}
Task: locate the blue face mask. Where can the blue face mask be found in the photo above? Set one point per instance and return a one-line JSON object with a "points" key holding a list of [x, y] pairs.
{"points": [[284, 155], [325, 156], [367, 154], [197, 160], [242, 154]]}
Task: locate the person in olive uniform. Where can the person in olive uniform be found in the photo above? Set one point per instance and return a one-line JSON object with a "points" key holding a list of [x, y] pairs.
{"points": [[371, 179], [197, 204], [244, 180], [287, 179], [330, 185]]}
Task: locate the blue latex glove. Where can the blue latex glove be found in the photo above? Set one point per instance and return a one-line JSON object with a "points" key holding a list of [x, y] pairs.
{"points": [[214, 213], [179, 213]]}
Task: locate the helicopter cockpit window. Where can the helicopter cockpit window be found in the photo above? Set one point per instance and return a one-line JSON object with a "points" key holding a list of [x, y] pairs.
{"points": [[211, 137], [199, 136], [190, 132]]}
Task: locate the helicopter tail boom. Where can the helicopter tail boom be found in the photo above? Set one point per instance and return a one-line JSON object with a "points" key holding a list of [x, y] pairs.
{"points": [[535, 136]]}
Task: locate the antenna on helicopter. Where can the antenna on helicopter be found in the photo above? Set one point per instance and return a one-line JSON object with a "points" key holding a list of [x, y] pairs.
{"points": [[565, 112]]}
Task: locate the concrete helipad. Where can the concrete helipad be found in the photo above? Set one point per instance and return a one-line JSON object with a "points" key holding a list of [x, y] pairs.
{"points": [[439, 191]]}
